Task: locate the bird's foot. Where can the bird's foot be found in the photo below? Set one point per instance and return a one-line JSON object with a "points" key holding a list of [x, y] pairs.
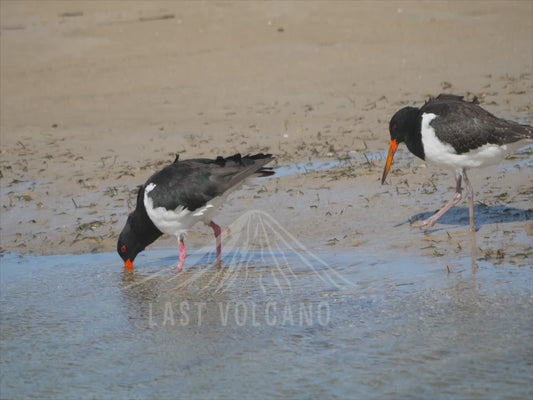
{"points": [[180, 266], [425, 224]]}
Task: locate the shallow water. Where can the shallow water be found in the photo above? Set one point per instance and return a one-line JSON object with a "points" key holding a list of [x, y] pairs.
{"points": [[326, 165], [283, 325]]}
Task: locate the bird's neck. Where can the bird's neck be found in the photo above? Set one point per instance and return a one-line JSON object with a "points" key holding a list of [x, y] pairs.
{"points": [[143, 226], [413, 140]]}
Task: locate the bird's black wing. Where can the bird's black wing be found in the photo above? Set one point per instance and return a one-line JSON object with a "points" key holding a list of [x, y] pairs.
{"points": [[192, 183], [467, 126]]}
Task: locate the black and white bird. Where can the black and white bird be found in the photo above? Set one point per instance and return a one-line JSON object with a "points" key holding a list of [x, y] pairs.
{"points": [[181, 194], [450, 132]]}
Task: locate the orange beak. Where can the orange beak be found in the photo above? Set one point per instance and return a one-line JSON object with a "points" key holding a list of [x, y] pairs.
{"points": [[392, 150], [129, 265]]}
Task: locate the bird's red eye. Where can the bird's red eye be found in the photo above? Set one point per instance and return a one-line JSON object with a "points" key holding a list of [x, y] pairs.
{"points": [[123, 249]]}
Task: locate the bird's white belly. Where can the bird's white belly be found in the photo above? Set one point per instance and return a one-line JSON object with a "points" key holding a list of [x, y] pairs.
{"points": [[176, 222], [443, 154]]}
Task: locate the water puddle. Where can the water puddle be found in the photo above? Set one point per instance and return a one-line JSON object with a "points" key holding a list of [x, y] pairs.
{"points": [[292, 325], [326, 165], [520, 159], [402, 160]]}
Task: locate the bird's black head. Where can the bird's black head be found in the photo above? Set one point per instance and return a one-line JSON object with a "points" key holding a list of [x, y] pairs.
{"points": [[128, 245], [403, 123], [401, 126]]}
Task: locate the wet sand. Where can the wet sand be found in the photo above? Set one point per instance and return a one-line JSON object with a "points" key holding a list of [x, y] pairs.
{"points": [[96, 96]]}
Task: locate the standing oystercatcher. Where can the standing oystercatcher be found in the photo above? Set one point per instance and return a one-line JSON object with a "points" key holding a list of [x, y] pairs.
{"points": [[181, 194], [453, 133]]}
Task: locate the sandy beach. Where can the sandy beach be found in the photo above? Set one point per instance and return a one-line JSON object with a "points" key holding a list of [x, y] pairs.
{"points": [[326, 289], [96, 96]]}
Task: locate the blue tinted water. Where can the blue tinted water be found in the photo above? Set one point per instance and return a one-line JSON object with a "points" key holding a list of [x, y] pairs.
{"points": [[267, 325]]}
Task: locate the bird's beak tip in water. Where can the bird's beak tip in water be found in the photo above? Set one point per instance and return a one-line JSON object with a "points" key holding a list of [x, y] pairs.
{"points": [[129, 265]]}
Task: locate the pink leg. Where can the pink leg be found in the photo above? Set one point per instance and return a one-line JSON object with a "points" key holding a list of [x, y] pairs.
{"points": [[470, 192], [217, 230], [183, 255], [431, 221]]}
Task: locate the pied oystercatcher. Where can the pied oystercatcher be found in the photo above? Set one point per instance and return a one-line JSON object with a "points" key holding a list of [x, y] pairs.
{"points": [[181, 194], [453, 133]]}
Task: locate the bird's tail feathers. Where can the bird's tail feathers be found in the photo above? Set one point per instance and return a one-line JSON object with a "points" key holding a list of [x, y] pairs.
{"points": [[238, 168]]}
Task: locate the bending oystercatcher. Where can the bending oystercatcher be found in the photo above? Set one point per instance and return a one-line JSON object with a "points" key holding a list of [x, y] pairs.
{"points": [[451, 132], [181, 194]]}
